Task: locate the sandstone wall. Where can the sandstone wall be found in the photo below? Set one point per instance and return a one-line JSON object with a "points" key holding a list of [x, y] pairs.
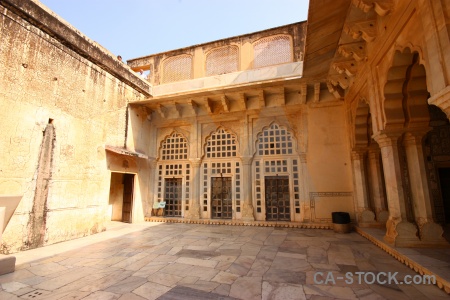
{"points": [[44, 81]]}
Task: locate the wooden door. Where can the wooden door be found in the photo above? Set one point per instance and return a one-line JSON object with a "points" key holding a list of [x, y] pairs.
{"points": [[278, 204], [128, 184]]}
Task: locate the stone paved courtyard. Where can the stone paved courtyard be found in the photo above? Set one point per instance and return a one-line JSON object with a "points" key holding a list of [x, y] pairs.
{"points": [[187, 261]]}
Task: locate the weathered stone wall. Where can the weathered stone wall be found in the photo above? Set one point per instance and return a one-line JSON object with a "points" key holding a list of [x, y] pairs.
{"points": [[45, 81]]}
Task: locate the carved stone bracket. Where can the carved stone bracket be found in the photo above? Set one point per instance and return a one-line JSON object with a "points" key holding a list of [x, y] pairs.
{"points": [[381, 7], [162, 111], [341, 80], [348, 67], [193, 106], [303, 90], [225, 103], [262, 99], [366, 29], [336, 90], [178, 109], [208, 105], [243, 100], [317, 92], [356, 50]]}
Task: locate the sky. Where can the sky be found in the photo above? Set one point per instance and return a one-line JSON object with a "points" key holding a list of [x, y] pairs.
{"points": [[137, 28]]}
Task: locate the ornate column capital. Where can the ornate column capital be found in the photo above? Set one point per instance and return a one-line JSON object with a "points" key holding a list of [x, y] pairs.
{"points": [[358, 153], [246, 160], [385, 139], [302, 157], [195, 162], [415, 136]]}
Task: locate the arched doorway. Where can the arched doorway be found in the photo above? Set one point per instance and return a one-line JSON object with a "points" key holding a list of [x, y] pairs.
{"points": [[406, 124]]}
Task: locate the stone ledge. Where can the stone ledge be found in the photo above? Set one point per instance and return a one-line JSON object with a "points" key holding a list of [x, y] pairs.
{"points": [[242, 223], [7, 264], [440, 282]]}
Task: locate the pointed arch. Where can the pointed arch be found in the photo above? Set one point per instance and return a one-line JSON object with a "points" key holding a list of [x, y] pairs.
{"points": [[174, 146], [405, 92], [221, 143], [275, 139]]}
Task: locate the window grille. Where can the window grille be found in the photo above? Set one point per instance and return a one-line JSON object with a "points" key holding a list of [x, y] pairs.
{"points": [[272, 51], [275, 141], [222, 60], [221, 144], [174, 147], [177, 68]]}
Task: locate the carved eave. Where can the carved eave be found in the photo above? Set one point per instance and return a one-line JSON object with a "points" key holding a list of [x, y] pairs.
{"points": [[225, 103], [381, 7], [357, 51]]}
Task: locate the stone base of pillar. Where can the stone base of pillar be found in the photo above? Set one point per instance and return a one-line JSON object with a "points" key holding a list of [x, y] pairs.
{"points": [[7, 264], [431, 235], [401, 234], [382, 216], [407, 235], [247, 212], [366, 218]]}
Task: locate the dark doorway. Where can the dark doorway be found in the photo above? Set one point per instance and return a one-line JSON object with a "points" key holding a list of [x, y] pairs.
{"points": [[221, 200], [277, 198], [128, 182], [172, 197], [444, 180], [121, 197]]}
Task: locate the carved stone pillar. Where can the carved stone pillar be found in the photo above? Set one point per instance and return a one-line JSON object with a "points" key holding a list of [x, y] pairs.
{"points": [[362, 206], [194, 202], [305, 207], [376, 184], [153, 183], [398, 230], [247, 187], [429, 231]]}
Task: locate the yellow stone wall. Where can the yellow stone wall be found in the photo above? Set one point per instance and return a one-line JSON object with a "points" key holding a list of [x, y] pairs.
{"points": [[42, 79]]}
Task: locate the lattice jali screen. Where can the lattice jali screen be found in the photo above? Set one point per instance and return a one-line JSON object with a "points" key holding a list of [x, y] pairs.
{"points": [[222, 60], [221, 144], [275, 140], [177, 68], [174, 147], [272, 50]]}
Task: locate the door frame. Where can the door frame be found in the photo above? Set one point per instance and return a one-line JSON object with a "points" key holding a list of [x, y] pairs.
{"points": [[183, 184], [233, 200], [277, 177]]}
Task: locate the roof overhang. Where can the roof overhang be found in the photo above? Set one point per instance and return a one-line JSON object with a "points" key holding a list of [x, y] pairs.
{"points": [[123, 151]]}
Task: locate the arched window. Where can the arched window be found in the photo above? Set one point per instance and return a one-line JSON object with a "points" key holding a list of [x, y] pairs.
{"points": [[272, 50], [275, 141], [174, 147], [221, 144], [177, 68], [222, 60]]}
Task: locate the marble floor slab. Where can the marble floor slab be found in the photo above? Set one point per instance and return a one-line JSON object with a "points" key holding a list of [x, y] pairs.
{"points": [[198, 261]]}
